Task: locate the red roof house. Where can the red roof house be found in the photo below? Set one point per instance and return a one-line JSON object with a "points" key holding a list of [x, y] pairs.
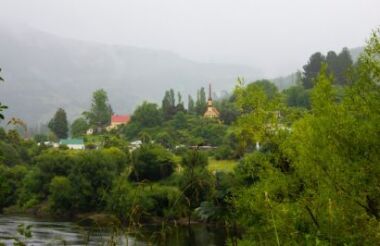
{"points": [[117, 120]]}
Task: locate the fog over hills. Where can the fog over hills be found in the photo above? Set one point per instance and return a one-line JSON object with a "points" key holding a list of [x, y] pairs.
{"points": [[43, 72]]}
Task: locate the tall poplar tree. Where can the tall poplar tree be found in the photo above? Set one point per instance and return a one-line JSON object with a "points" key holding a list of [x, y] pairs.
{"points": [[168, 104], [201, 104], [190, 105]]}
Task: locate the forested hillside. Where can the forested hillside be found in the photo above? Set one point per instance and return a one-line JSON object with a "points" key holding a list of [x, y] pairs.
{"points": [[44, 72]]}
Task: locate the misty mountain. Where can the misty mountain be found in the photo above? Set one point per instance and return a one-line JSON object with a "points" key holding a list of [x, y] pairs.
{"points": [[43, 72]]}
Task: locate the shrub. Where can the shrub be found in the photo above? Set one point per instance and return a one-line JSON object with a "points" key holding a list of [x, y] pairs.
{"points": [[61, 195], [152, 162]]}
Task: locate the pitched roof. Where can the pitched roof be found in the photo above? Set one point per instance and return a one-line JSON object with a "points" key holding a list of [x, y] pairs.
{"points": [[120, 118], [71, 141]]}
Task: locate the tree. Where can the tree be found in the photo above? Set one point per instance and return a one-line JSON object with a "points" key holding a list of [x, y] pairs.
{"points": [[311, 69], [180, 121], [2, 107], [168, 104], [100, 113], [58, 124], [332, 63], [190, 105], [269, 88], [180, 106], [92, 175], [210, 130], [194, 159], [228, 110], [9, 155], [344, 65], [319, 182], [151, 162], [147, 115], [297, 96], [10, 181], [339, 66], [79, 127], [197, 182], [201, 104], [40, 138], [61, 195]]}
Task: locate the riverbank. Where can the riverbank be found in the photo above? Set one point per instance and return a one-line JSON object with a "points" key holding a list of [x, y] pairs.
{"points": [[95, 218]]}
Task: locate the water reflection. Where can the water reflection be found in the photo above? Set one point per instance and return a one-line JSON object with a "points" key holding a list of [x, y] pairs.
{"points": [[51, 232]]}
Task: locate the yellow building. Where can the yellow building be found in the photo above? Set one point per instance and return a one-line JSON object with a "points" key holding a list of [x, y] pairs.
{"points": [[211, 111]]}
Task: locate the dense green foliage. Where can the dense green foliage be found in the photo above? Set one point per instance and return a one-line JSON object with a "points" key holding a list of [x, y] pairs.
{"points": [[319, 182], [151, 162]]}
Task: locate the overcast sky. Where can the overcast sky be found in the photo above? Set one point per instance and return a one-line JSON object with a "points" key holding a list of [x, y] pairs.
{"points": [[275, 36]]}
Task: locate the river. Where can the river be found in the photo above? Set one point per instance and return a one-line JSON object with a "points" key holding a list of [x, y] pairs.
{"points": [[53, 232]]}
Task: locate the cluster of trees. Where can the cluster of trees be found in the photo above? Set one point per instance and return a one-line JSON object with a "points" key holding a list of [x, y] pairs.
{"points": [[174, 125], [318, 183], [339, 66], [97, 118]]}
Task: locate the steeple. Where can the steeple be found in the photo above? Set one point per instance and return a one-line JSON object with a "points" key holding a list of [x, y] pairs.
{"points": [[209, 92], [211, 111]]}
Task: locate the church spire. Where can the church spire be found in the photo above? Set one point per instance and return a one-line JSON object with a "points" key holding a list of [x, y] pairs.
{"points": [[211, 111], [209, 92]]}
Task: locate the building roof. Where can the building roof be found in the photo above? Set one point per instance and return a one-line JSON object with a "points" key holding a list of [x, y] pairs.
{"points": [[71, 141], [116, 118], [211, 112]]}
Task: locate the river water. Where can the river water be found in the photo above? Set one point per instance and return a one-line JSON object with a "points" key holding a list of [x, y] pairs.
{"points": [[53, 232]]}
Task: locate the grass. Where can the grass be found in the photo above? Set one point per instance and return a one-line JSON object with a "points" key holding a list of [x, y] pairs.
{"points": [[221, 165]]}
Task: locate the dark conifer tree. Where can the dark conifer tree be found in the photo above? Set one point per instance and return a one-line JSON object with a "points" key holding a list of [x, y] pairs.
{"points": [[58, 124], [311, 69]]}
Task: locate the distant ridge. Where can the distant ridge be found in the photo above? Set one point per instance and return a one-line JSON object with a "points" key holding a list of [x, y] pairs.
{"points": [[43, 72]]}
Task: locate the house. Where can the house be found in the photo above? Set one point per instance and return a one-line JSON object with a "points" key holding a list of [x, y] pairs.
{"points": [[117, 120], [211, 111], [73, 143], [135, 145], [90, 131]]}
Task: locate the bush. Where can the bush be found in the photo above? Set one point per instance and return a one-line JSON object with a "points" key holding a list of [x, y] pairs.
{"points": [[194, 158], [9, 155], [61, 195], [135, 203], [10, 180], [152, 162], [224, 152], [92, 178]]}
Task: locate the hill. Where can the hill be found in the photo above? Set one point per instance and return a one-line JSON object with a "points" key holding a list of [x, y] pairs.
{"points": [[43, 72]]}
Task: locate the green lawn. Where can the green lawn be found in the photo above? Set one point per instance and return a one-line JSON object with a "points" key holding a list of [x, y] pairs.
{"points": [[221, 165]]}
